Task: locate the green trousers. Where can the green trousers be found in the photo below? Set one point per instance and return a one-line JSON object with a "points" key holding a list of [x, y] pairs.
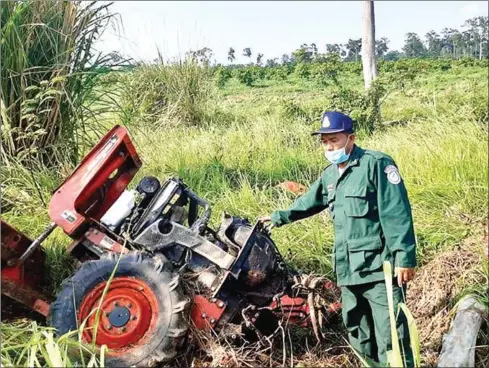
{"points": [[366, 316]]}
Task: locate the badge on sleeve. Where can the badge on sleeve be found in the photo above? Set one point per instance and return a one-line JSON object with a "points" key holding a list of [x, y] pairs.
{"points": [[393, 174]]}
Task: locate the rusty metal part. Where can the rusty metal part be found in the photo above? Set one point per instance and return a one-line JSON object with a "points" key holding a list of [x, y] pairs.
{"points": [[206, 313], [255, 277], [26, 295], [293, 310], [14, 243], [18, 284]]}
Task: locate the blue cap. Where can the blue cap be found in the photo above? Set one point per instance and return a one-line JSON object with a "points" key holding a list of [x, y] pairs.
{"points": [[334, 122]]}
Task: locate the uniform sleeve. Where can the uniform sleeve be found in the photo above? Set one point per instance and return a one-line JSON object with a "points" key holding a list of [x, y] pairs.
{"points": [[307, 205], [395, 214]]}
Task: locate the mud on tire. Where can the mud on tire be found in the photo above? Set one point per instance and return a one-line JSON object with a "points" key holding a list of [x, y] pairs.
{"points": [[160, 343]]}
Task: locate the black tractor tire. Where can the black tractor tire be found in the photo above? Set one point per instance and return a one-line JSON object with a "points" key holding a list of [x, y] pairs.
{"points": [[170, 328]]}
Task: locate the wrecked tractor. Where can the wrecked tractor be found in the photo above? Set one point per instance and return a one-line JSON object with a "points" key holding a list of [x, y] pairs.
{"points": [[150, 260]]}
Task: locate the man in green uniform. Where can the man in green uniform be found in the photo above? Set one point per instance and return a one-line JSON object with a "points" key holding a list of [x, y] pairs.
{"points": [[368, 204]]}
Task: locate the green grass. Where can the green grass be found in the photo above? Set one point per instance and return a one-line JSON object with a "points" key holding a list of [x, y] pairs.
{"points": [[26, 344]]}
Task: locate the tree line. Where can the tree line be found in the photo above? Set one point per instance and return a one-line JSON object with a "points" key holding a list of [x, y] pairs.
{"points": [[470, 41]]}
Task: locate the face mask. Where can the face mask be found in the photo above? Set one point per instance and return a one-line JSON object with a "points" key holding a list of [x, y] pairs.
{"points": [[338, 156]]}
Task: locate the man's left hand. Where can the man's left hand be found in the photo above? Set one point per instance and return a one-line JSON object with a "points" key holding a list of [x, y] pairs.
{"points": [[404, 275]]}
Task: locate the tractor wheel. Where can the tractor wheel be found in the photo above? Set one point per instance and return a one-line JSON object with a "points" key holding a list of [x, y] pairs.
{"points": [[143, 316]]}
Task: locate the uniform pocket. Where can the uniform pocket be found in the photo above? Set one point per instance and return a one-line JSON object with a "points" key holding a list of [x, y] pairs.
{"points": [[365, 254], [356, 202]]}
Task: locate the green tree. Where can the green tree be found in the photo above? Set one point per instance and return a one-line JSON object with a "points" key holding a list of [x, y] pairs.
{"points": [[413, 46], [477, 28], [258, 59], [457, 43], [231, 56], [285, 59], [201, 56], [452, 43], [434, 44], [353, 48], [272, 62], [381, 47], [314, 50], [333, 48], [247, 52], [303, 54], [392, 55]]}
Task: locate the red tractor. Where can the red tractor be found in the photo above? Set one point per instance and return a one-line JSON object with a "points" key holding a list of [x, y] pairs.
{"points": [[149, 266]]}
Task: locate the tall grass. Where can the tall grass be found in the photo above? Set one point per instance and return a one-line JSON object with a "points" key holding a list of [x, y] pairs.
{"points": [[48, 71], [166, 94], [25, 344]]}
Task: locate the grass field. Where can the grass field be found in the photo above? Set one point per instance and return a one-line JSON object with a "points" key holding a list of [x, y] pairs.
{"points": [[250, 139]]}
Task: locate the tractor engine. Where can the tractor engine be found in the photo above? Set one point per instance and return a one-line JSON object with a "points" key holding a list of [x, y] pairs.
{"points": [[172, 221]]}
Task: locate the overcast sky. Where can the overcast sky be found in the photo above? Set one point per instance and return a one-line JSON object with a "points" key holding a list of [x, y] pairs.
{"points": [[270, 27]]}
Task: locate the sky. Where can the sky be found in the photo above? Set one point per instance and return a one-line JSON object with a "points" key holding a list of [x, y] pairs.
{"points": [[272, 28]]}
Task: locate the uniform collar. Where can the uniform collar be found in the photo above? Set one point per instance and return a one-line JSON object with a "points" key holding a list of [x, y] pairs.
{"points": [[355, 156]]}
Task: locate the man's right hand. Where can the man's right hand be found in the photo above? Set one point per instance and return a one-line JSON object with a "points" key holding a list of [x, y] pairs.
{"points": [[265, 219]]}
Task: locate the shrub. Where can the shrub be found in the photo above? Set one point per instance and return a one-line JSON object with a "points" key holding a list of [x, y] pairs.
{"points": [[245, 76], [223, 74], [154, 94], [302, 71]]}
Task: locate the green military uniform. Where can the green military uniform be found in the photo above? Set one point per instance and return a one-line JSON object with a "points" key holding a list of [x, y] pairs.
{"points": [[369, 207]]}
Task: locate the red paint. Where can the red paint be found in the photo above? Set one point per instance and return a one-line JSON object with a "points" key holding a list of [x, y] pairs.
{"points": [[294, 310], [97, 238], [128, 292], [23, 283], [335, 306], [89, 191], [204, 311], [15, 274]]}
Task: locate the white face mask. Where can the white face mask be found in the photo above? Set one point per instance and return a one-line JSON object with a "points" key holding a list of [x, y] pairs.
{"points": [[338, 156]]}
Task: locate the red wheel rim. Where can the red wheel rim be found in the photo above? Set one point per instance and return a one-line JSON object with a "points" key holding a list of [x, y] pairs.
{"points": [[128, 316]]}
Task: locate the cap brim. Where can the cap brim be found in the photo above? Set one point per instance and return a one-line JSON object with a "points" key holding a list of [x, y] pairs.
{"points": [[328, 131]]}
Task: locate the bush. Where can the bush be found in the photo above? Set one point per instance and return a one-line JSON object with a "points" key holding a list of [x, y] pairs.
{"points": [[302, 71], [245, 76], [223, 74], [154, 94], [355, 67], [280, 73]]}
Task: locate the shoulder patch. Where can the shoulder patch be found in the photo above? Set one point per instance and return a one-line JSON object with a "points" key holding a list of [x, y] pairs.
{"points": [[392, 174]]}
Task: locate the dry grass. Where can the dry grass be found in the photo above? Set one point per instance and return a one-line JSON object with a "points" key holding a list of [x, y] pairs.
{"points": [[437, 287], [288, 346]]}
